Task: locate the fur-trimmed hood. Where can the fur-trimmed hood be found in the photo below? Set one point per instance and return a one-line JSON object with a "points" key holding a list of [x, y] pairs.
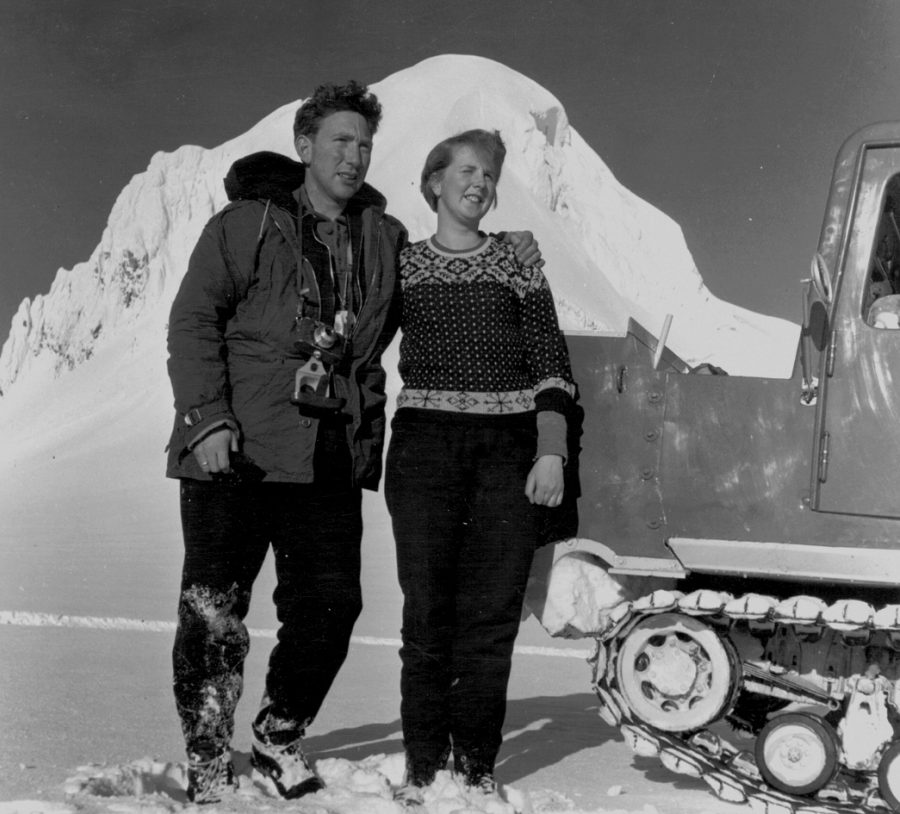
{"points": [[275, 177]]}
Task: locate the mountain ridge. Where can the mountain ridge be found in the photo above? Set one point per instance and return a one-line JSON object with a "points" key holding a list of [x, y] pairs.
{"points": [[610, 255]]}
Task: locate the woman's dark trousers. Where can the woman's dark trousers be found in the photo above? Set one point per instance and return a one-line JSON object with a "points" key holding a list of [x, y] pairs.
{"points": [[465, 536]]}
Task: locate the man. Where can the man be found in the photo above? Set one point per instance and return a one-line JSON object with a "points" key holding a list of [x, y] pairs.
{"points": [[275, 344]]}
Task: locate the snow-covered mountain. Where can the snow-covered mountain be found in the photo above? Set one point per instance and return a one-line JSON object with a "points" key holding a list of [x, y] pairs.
{"points": [[610, 255]]}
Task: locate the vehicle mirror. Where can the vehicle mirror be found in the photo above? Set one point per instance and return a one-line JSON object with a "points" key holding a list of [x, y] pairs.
{"points": [[817, 325]]}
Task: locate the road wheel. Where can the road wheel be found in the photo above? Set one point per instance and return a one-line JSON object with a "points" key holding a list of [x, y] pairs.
{"points": [[676, 673], [889, 776], [797, 753]]}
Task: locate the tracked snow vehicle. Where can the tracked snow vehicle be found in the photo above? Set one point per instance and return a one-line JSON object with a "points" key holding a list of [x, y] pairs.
{"points": [[750, 530]]}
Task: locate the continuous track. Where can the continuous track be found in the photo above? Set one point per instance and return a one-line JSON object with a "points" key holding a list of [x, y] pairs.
{"points": [[850, 626]]}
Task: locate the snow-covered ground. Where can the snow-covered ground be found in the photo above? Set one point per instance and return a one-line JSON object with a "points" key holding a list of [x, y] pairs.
{"points": [[87, 722], [91, 552]]}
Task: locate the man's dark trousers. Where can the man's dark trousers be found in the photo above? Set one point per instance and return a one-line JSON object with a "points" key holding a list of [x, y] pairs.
{"points": [[315, 532]]}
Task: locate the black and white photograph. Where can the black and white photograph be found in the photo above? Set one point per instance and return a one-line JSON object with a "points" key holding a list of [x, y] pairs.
{"points": [[450, 408]]}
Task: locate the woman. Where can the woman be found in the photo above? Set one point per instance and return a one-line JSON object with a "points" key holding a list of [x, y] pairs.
{"points": [[478, 444]]}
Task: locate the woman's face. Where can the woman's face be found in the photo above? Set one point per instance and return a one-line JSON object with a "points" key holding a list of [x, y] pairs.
{"points": [[467, 187]]}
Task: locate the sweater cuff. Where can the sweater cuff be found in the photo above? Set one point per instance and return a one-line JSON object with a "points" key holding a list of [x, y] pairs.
{"points": [[552, 431], [553, 398]]}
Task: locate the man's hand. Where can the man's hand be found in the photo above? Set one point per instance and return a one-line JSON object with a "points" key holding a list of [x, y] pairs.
{"points": [[544, 485], [528, 253], [213, 453]]}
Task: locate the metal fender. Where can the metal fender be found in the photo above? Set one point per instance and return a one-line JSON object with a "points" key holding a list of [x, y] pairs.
{"points": [[573, 592]]}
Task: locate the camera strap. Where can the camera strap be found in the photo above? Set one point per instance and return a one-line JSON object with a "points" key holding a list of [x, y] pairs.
{"points": [[343, 274]]}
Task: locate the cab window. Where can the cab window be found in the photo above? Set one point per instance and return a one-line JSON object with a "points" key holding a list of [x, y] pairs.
{"points": [[881, 298]]}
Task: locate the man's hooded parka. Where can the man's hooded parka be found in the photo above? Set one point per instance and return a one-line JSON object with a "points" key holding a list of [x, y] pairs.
{"points": [[232, 328]]}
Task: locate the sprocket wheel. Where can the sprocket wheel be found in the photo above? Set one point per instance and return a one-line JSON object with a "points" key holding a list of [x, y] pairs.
{"points": [[889, 776], [676, 673], [797, 753]]}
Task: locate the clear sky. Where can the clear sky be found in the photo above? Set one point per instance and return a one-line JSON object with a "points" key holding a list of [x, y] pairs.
{"points": [[725, 114]]}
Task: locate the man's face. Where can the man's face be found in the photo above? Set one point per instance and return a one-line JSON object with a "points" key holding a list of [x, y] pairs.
{"points": [[337, 159]]}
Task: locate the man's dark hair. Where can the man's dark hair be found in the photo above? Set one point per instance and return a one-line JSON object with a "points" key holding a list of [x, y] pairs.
{"points": [[331, 98], [487, 144]]}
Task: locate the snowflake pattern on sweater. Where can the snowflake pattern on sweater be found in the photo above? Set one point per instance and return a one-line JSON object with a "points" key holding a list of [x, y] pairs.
{"points": [[480, 332]]}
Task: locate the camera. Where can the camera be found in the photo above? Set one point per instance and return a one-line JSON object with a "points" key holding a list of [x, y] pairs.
{"points": [[320, 340], [324, 348]]}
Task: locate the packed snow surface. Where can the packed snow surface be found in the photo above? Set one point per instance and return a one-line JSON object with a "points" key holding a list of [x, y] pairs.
{"points": [[352, 787]]}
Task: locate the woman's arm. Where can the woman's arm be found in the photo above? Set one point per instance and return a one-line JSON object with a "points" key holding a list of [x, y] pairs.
{"points": [[547, 359]]}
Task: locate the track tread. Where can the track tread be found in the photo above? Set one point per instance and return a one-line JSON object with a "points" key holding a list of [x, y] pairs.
{"points": [[731, 773]]}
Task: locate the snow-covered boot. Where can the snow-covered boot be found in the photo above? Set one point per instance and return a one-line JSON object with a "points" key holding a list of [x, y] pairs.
{"points": [[477, 774], [209, 778], [277, 753], [419, 774], [284, 762], [409, 795], [483, 783]]}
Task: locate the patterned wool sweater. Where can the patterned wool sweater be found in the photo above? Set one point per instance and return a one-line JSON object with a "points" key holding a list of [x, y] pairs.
{"points": [[480, 333]]}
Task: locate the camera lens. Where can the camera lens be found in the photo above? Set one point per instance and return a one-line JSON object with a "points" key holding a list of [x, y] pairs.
{"points": [[324, 336]]}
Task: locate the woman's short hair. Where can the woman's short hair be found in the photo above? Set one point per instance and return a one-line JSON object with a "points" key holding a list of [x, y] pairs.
{"points": [[332, 98], [486, 143]]}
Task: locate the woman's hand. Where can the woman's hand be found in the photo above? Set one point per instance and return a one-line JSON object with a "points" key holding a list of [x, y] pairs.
{"points": [[544, 485]]}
